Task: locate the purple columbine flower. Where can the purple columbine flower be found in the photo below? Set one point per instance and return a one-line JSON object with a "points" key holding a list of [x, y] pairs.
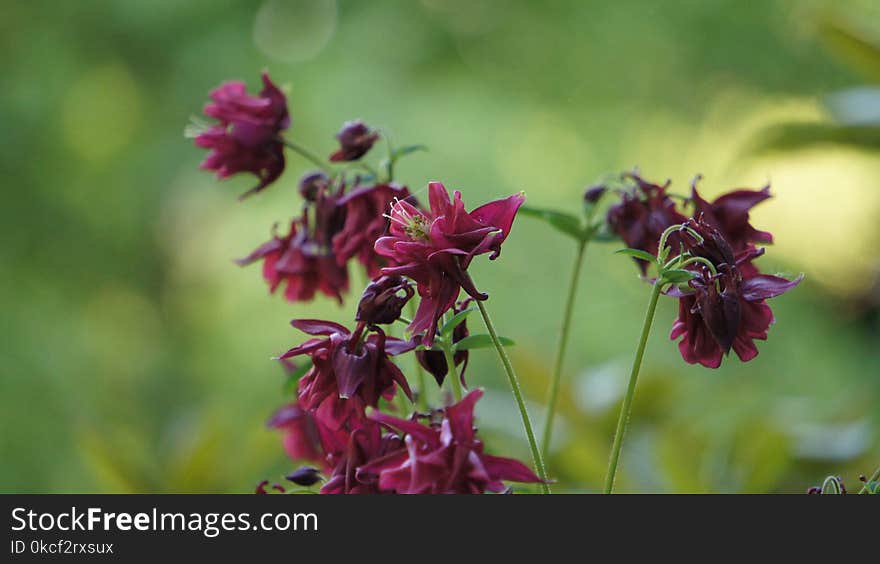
{"points": [[301, 263], [442, 457], [247, 137], [642, 215], [435, 247], [727, 309], [355, 140], [365, 222], [729, 213], [350, 370]]}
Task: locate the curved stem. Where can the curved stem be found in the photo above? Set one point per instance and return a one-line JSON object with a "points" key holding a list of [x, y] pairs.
{"points": [[874, 477], [560, 351], [630, 390], [517, 394], [308, 155]]}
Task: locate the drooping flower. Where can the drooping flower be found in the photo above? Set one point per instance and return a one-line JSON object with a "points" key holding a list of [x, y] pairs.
{"points": [[383, 299], [355, 140], [442, 457], [300, 262], [434, 361], [302, 438], [729, 213], [246, 139], [435, 247], [365, 444], [642, 216], [726, 309], [365, 222], [350, 370]]}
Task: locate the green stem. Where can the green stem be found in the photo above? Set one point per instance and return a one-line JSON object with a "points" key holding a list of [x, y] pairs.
{"points": [[560, 351], [874, 477], [308, 155], [451, 373], [422, 398], [630, 390], [517, 394]]}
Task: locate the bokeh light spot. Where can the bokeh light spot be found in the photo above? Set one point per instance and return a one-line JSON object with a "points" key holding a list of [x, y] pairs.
{"points": [[294, 30]]}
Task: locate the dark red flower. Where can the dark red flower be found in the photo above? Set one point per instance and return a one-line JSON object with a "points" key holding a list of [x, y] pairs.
{"points": [[729, 213], [365, 444], [435, 247], [350, 370], [435, 361], [304, 437], [442, 457], [726, 309], [300, 262], [642, 216], [366, 209], [355, 140], [383, 299], [246, 139]]}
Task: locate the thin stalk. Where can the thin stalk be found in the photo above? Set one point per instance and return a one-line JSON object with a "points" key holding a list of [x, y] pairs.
{"points": [[517, 394], [560, 351], [630, 390], [422, 398], [308, 155], [452, 372], [874, 477]]}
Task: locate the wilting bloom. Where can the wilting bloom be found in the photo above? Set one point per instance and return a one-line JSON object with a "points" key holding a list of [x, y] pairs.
{"points": [[729, 213], [366, 209], [642, 216], [726, 309], [365, 444], [350, 370], [355, 139], [443, 457], [298, 261], [305, 476], [246, 139], [435, 247], [383, 299], [435, 361]]}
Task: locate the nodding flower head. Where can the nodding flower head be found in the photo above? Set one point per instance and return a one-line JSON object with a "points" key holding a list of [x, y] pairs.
{"points": [[247, 137], [355, 140]]}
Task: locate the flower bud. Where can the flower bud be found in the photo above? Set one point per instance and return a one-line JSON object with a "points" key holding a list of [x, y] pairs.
{"points": [[305, 476], [383, 299], [355, 139], [593, 194], [312, 184]]}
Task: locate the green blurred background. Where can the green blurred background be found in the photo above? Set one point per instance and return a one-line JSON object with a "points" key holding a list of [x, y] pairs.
{"points": [[134, 355]]}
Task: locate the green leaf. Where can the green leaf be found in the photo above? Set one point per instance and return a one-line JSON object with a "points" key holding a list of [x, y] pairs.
{"points": [[456, 320], [481, 341], [796, 136], [678, 275], [639, 254], [562, 222], [293, 378], [859, 50]]}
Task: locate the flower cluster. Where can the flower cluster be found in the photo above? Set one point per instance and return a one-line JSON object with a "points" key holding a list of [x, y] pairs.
{"points": [[352, 418], [723, 306]]}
